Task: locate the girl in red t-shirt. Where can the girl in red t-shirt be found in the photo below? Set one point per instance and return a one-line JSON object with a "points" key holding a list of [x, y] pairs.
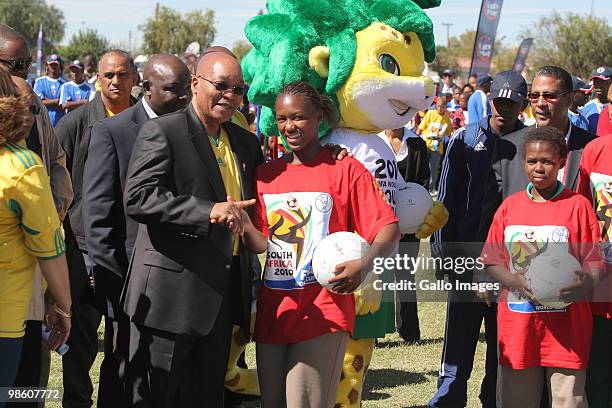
{"points": [[541, 346], [302, 329]]}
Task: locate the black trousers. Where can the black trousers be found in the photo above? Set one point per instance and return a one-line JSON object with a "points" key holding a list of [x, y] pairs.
{"points": [[83, 339], [168, 370], [408, 327], [112, 389], [34, 363]]}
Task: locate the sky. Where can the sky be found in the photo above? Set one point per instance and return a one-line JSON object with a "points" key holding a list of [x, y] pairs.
{"points": [[116, 18]]}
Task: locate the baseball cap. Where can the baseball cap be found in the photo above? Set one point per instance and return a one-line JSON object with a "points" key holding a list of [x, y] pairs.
{"points": [[602, 72], [448, 72], [54, 59], [578, 84], [77, 64], [482, 80], [510, 85]]}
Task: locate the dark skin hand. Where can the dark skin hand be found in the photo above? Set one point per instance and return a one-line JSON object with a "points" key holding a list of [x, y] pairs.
{"points": [[509, 280], [230, 214], [579, 291], [350, 274]]}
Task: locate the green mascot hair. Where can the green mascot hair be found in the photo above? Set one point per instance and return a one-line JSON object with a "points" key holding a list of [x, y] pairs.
{"points": [[283, 38]]}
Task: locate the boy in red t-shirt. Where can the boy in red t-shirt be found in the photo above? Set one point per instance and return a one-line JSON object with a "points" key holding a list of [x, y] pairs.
{"points": [[595, 183], [302, 329], [541, 346]]}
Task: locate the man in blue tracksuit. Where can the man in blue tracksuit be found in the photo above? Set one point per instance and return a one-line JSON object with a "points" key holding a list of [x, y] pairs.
{"points": [[470, 190]]}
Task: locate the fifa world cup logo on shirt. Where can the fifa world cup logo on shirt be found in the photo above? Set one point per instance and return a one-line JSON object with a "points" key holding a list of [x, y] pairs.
{"points": [[525, 243], [296, 223], [524, 248], [289, 225]]}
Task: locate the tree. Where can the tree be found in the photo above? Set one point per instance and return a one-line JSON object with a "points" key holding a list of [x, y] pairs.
{"points": [[170, 32], [26, 16], [240, 49], [578, 43], [83, 43], [461, 48]]}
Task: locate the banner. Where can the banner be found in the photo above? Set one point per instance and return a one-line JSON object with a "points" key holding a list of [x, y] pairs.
{"points": [[521, 55], [488, 21], [39, 52]]}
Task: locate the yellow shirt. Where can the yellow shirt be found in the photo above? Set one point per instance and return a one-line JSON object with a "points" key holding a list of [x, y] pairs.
{"points": [[239, 119], [29, 229], [435, 127], [228, 168]]}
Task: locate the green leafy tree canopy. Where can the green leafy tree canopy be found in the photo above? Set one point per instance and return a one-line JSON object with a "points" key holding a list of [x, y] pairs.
{"points": [[240, 48], [26, 16], [578, 43], [83, 43], [461, 48], [170, 32]]}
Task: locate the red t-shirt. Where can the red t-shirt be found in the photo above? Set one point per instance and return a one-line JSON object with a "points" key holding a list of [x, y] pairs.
{"points": [[604, 125], [531, 335], [297, 206], [595, 183]]}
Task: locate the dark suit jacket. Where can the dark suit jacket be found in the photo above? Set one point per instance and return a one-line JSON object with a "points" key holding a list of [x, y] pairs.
{"points": [[109, 233], [179, 272], [509, 163], [73, 132]]}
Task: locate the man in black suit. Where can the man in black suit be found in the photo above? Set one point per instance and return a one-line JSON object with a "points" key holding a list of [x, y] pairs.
{"points": [[109, 233], [116, 77], [190, 277], [551, 96]]}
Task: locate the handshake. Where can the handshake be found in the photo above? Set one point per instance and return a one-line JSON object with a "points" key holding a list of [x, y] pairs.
{"points": [[232, 214]]}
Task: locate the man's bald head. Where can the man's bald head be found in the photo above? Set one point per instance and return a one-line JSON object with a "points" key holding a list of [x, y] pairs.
{"points": [[15, 48], [163, 65], [218, 48], [8, 33], [166, 83], [116, 54], [207, 62], [218, 87]]}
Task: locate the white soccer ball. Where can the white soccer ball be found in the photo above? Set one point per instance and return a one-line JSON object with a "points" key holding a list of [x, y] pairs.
{"points": [[550, 272], [334, 249], [412, 205]]}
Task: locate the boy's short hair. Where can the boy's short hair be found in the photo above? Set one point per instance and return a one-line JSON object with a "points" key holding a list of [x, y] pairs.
{"points": [[546, 134]]}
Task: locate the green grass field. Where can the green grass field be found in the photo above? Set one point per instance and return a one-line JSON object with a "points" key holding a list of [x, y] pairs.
{"points": [[400, 375]]}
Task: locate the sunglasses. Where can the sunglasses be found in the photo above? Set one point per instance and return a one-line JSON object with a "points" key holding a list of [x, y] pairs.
{"points": [[548, 96], [223, 87], [18, 65]]}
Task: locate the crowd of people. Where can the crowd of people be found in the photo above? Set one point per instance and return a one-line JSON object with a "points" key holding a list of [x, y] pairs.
{"points": [[150, 212]]}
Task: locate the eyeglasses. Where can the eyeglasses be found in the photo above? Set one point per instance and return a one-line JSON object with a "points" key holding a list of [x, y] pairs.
{"points": [[548, 96], [18, 65], [223, 87], [34, 109]]}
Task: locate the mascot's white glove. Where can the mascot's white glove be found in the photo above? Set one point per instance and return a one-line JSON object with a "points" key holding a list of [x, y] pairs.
{"points": [[434, 220], [367, 299]]}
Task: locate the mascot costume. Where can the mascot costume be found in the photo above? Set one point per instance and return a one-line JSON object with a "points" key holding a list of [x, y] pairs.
{"points": [[368, 56]]}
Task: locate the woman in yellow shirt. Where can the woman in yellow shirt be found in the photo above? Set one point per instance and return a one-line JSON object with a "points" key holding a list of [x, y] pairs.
{"points": [[29, 232]]}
